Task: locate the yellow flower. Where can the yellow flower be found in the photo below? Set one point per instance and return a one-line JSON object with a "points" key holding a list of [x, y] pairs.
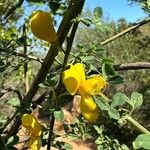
{"points": [[89, 109], [42, 26], [73, 77], [92, 86], [32, 125], [35, 143], [34, 129], [75, 82]]}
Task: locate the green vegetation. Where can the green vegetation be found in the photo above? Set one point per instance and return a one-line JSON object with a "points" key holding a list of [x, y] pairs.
{"points": [[32, 77]]}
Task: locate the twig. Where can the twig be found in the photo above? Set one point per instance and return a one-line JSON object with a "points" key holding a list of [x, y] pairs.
{"points": [[50, 131], [29, 57], [132, 66], [26, 81], [126, 31]]}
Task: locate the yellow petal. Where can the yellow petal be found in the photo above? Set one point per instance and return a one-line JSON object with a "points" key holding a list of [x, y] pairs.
{"points": [[35, 143], [89, 109], [92, 86], [42, 26], [80, 69], [73, 77], [32, 125]]}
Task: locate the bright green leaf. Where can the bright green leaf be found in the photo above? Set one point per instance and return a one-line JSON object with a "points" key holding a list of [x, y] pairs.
{"points": [[136, 100], [119, 99], [113, 113], [142, 141], [103, 105]]}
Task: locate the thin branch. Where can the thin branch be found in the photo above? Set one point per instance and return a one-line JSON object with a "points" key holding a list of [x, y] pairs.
{"points": [[132, 66], [26, 80], [126, 31], [29, 57]]}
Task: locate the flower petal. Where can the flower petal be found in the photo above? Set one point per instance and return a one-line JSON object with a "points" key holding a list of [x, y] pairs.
{"points": [[42, 26], [89, 109], [73, 77], [32, 125], [35, 143], [80, 69], [92, 86]]}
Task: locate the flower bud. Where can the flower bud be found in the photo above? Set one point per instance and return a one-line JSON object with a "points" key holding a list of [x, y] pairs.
{"points": [[42, 26]]}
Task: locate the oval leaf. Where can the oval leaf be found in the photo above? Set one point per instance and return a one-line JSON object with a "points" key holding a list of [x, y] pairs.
{"points": [[119, 99], [142, 141]]}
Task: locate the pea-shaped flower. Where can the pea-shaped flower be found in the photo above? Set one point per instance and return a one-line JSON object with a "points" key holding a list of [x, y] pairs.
{"points": [[34, 129], [75, 82], [42, 26]]}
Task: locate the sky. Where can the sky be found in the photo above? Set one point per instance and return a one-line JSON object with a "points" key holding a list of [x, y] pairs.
{"points": [[112, 9], [115, 9]]}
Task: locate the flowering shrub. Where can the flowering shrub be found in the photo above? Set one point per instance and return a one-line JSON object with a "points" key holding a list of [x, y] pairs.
{"points": [[62, 77]]}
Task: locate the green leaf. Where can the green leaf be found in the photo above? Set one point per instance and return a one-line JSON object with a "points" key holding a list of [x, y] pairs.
{"points": [[142, 141], [80, 46], [87, 58], [99, 141], [102, 104], [98, 12], [13, 140], [15, 102], [59, 115], [99, 49], [113, 113], [136, 100], [116, 79], [119, 99], [86, 21], [107, 60], [108, 70], [99, 129]]}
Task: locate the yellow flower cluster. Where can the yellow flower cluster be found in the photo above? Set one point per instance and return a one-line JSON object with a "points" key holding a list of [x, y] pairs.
{"points": [[75, 81], [42, 26], [34, 130]]}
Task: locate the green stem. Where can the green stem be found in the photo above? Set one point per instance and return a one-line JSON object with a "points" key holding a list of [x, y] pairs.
{"points": [[136, 125], [105, 97]]}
